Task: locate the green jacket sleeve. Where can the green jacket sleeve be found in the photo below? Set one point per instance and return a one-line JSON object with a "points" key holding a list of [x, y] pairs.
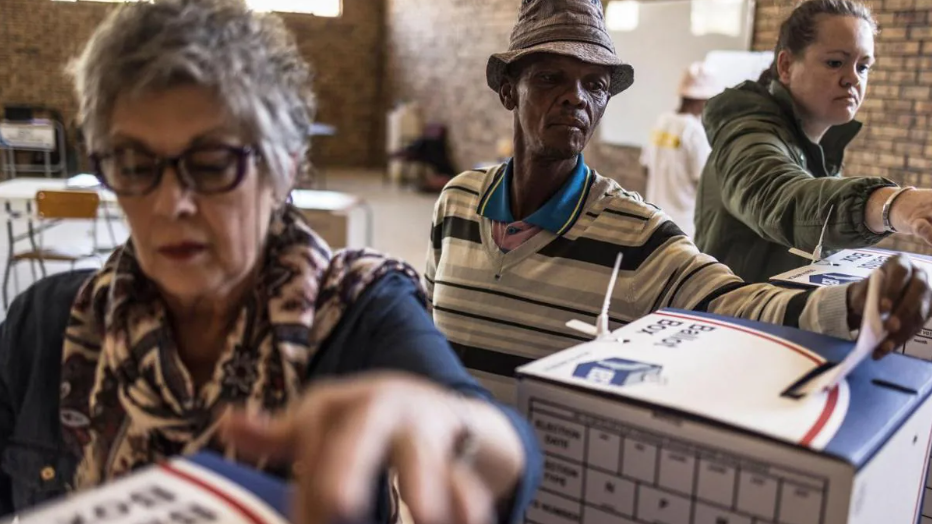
{"points": [[766, 188]]}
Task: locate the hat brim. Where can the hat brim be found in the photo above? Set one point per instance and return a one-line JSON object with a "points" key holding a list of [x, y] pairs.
{"points": [[622, 73]]}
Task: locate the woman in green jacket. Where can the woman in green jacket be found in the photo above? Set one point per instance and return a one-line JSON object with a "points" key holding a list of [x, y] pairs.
{"points": [[773, 178]]}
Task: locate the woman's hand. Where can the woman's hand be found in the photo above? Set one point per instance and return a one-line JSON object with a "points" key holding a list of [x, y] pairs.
{"points": [[911, 212], [456, 458], [906, 297]]}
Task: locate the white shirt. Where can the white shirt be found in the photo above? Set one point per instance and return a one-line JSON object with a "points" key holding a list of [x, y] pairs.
{"points": [[674, 160]]}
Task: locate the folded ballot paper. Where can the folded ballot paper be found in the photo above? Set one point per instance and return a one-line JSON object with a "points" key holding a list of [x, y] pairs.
{"points": [[691, 418], [200, 489]]}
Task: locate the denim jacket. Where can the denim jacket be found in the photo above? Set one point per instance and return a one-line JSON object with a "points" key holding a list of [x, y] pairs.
{"points": [[386, 329]]}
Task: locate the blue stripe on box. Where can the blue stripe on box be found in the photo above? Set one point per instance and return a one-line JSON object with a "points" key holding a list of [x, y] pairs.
{"points": [[273, 491]]}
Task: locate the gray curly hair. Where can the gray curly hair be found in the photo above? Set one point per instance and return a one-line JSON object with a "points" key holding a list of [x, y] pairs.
{"points": [[250, 59]]}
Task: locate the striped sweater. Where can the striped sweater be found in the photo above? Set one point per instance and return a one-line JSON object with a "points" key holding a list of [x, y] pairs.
{"points": [[501, 310]]}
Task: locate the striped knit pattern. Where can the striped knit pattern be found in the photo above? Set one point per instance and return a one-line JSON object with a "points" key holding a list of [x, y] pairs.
{"points": [[501, 310]]}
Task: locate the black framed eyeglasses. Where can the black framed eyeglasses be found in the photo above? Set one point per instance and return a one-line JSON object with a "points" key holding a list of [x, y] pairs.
{"points": [[207, 170]]}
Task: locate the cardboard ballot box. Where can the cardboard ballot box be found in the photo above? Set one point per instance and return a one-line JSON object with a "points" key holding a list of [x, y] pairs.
{"points": [[682, 419], [200, 489], [852, 265]]}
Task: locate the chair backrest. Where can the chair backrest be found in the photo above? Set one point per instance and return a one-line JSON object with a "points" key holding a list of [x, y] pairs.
{"points": [[67, 204], [435, 131]]}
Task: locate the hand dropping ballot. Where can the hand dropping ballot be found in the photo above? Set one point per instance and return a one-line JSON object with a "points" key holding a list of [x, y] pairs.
{"points": [[853, 265], [685, 418], [870, 336]]}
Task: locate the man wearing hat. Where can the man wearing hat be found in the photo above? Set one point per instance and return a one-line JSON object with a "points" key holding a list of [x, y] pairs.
{"points": [[678, 149], [521, 248]]}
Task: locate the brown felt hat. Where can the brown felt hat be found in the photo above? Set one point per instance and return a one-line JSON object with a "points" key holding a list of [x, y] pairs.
{"points": [[573, 28]]}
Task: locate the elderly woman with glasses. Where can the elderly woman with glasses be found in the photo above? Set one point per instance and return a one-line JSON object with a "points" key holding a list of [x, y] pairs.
{"points": [[224, 323]]}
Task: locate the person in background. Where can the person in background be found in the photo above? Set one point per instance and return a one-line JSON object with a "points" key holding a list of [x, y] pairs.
{"points": [[773, 178], [521, 248], [678, 149], [197, 113]]}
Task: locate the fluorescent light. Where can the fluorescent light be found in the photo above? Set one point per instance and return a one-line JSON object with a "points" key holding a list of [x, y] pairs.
{"points": [[622, 15]]}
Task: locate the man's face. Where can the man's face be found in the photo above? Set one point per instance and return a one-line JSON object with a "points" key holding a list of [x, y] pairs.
{"points": [[558, 102]]}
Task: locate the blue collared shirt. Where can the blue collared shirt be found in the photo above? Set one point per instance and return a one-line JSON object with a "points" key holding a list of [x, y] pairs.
{"points": [[557, 215]]}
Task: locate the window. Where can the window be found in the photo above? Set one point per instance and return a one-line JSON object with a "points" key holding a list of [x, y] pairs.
{"points": [[717, 17], [329, 8], [622, 15]]}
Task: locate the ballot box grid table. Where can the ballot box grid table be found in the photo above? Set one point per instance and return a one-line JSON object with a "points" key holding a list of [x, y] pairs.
{"points": [[602, 471]]}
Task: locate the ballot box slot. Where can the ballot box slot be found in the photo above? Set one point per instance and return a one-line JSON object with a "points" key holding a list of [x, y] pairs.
{"points": [[795, 389], [896, 387]]}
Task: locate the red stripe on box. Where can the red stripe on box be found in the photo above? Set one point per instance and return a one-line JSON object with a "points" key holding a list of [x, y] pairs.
{"points": [[247, 513], [830, 403]]}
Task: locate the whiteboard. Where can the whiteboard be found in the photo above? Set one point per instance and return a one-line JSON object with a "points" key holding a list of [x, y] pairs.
{"points": [[660, 49], [734, 67]]}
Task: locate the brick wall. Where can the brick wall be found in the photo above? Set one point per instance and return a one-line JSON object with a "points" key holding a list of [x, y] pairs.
{"points": [[438, 51], [37, 37], [898, 110]]}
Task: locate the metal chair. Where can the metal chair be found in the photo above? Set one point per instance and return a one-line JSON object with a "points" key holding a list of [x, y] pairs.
{"points": [[51, 208]]}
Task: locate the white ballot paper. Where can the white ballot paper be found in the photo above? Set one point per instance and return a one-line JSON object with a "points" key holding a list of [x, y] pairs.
{"points": [[871, 335]]}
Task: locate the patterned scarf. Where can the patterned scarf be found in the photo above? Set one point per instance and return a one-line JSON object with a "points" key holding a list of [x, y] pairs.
{"points": [[127, 399]]}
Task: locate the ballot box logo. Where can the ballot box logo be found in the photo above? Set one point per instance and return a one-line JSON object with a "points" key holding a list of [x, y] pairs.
{"points": [[618, 372], [833, 279]]}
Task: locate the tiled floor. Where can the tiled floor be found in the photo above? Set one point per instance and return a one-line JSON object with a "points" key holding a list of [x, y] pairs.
{"points": [[401, 225], [402, 216]]}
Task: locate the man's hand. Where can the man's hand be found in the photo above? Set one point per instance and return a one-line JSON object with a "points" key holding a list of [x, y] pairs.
{"points": [[906, 301]]}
